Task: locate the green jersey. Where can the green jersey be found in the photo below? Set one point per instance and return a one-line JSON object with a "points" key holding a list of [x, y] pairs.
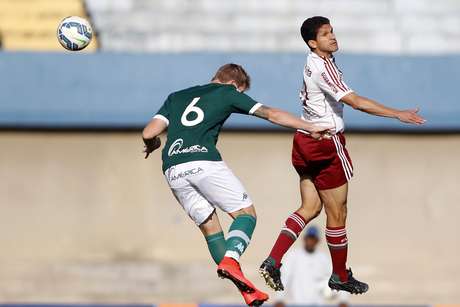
{"points": [[195, 117]]}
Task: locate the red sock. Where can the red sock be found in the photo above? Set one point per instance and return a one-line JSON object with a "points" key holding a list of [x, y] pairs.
{"points": [[337, 241], [289, 233]]}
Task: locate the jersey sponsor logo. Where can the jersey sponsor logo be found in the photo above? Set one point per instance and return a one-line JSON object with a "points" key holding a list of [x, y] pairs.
{"points": [[331, 85], [176, 148], [193, 171]]}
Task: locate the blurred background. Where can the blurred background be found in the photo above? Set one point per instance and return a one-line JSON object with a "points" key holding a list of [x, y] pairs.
{"points": [[85, 219]]}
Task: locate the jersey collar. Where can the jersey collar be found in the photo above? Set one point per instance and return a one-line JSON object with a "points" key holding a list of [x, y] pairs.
{"points": [[316, 56]]}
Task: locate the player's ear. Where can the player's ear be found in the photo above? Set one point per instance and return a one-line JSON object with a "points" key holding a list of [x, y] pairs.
{"points": [[312, 44]]}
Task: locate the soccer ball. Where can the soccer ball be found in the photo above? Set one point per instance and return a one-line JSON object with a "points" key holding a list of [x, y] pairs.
{"points": [[74, 33]]}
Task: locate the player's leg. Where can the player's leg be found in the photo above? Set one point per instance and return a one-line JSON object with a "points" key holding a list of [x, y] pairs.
{"points": [[240, 232], [197, 207], [332, 185], [212, 232], [238, 237], [309, 209], [303, 149], [188, 189], [223, 189], [335, 205]]}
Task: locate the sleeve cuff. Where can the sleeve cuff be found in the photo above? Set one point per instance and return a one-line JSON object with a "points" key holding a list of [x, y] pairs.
{"points": [[343, 94], [254, 108], [161, 117]]}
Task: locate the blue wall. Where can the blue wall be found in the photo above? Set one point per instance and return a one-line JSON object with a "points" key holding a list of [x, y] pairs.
{"points": [[103, 90]]}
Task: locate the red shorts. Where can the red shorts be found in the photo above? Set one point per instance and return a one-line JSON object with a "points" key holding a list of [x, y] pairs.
{"points": [[327, 161]]}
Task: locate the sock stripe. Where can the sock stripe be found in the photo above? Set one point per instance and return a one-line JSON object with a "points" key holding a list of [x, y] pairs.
{"points": [[239, 234], [215, 236], [214, 239], [337, 245], [232, 254], [339, 233], [297, 219], [336, 236], [291, 232], [335, 231]]}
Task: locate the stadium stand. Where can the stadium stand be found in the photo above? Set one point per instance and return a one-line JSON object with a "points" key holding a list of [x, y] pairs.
{"points": [[30, 25], [364, 26]]}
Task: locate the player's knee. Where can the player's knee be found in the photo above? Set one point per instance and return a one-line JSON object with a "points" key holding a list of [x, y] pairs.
{"points": [[334, 216], [251, 210], [337, 212], [310, 210], [317, 210]]}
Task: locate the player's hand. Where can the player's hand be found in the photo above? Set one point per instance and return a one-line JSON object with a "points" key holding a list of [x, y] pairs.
{"points": [[156, 143], [319, 133], [411, 117]]}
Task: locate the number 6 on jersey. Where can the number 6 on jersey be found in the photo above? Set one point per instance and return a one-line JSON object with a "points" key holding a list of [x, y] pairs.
{"points": [[191, 108]]}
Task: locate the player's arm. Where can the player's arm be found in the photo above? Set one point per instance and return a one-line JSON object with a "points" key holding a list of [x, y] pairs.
{"points": [[373, 107], [285, 119], [150, 135]]}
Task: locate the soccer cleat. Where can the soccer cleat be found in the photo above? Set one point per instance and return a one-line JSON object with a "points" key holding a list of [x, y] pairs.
{"points": [[272, 275], [230, 268], [351, 285], [255, 298]]}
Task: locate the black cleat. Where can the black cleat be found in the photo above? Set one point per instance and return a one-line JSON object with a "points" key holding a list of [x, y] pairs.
{"points": [[272, 275], [351, 285]]}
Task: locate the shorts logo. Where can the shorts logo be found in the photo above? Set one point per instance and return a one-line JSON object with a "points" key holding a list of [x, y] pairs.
{"points": [[193, 171], [245, 196], [176, 148]]}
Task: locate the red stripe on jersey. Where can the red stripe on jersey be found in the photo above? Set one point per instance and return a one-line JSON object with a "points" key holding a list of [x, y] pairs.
{"points": [[333, 78], [335, 70], [338, 74], [333, 74]]}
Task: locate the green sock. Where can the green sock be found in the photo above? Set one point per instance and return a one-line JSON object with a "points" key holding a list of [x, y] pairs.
{"points": [[216, 246], [239, 235]]}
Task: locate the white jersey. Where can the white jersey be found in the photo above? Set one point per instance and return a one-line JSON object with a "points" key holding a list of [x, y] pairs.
{"points": [[322, 89]]}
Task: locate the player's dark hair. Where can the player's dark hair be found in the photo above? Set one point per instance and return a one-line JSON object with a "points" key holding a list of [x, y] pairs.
{"points": [[310, 27], [233, 72]]}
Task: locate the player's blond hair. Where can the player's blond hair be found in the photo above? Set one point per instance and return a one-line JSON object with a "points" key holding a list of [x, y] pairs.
{"points": [[233, 72]]}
